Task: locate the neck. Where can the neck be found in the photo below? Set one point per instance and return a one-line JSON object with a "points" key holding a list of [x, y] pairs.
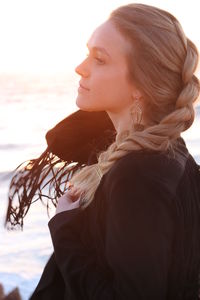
{"points": [[121, 120]]}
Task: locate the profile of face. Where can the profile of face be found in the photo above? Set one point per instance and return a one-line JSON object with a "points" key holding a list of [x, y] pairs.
{"points": [[104, 84]]}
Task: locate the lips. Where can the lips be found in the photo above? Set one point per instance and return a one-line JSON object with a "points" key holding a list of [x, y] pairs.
{"points": [[84, 87]]}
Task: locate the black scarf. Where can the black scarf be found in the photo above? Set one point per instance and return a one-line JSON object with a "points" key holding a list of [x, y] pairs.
{"points": [[71, 144]]}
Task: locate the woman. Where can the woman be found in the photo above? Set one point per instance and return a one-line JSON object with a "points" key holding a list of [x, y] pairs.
{"points": [[128, 226]]}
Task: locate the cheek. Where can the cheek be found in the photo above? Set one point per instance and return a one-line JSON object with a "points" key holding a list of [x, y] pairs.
{"points": [[113, 90], [109, 81]]}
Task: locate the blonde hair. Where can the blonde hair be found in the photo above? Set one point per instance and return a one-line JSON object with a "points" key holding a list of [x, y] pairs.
{"points": [[161, 63]]}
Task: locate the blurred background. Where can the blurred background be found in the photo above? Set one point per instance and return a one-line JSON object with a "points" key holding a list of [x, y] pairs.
{"points": [[41, 44]]}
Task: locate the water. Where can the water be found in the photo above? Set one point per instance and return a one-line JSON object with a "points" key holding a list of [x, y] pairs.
{"points": [[29, 107]]}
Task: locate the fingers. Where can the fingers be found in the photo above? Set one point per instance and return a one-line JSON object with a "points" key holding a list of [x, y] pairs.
{"points": [[74, 193]]}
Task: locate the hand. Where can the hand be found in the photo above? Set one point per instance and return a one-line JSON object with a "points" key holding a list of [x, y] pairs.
{"points": [[69, 200]]}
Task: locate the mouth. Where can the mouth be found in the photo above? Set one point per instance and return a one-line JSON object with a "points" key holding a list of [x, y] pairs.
{"points": [[83, 87]]}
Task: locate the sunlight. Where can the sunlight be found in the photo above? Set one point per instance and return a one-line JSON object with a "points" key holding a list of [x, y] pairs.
{"points": [[50, 36]]}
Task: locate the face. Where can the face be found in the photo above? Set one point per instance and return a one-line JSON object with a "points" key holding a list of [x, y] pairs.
{"points": [[104, 84]]}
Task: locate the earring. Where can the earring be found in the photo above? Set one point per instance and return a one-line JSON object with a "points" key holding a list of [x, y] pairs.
{"points": [[136, 115]]}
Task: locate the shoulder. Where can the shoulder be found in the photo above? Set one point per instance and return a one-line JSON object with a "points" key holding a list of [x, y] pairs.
{"points": [[145, 162], [140, 187], [144, 168]]}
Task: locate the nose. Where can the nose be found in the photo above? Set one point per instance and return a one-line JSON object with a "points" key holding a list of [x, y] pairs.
{"points": [[82, 69]]}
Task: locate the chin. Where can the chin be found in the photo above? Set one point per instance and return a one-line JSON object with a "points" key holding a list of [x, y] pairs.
{"points": [[86, 107]]}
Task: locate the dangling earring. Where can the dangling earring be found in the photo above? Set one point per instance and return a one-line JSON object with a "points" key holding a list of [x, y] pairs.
{"points": [[136, 115]]}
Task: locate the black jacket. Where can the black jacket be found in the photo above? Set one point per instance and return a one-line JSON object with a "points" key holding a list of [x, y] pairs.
{"points": [[137, 240]]}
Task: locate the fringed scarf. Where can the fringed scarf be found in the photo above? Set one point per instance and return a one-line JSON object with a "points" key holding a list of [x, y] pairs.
{"points": [[71, 144]]}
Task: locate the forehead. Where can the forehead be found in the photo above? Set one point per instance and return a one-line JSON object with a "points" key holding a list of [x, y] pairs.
{"points": [[108, 36]]}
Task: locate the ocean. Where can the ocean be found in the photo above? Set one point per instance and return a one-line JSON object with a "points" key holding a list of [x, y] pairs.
{"points": [[29, 106]]}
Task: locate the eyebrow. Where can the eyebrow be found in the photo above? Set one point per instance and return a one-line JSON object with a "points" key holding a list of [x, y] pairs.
{"points": [[98, 49]]}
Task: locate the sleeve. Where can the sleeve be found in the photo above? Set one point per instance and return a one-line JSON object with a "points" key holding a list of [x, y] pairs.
{"points": [[139, 230], [77, 262]]}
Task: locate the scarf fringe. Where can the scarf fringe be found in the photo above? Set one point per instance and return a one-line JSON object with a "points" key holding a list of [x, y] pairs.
{"points": [[44, 179]]}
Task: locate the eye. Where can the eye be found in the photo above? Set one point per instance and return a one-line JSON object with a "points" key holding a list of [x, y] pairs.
{"points": [[99, 60]]}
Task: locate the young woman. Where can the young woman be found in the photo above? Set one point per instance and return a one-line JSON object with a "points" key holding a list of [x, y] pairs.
{"points": [[128, 225]]}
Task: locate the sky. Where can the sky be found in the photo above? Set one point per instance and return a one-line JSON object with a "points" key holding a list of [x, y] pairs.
{"points": [[50, 36]]}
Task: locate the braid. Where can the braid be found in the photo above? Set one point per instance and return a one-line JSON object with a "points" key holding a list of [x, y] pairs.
{"points": [[160, 136], [191, 88]]}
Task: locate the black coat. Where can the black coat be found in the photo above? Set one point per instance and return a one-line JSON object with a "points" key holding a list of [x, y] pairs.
{"points": [[136, 240]]}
